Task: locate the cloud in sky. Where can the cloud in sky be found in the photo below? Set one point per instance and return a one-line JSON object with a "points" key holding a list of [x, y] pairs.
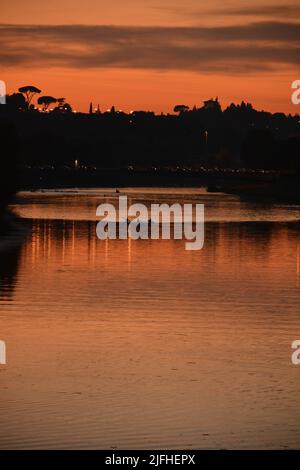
{"points": [[282, 11], [253, 47], [274, 11]]}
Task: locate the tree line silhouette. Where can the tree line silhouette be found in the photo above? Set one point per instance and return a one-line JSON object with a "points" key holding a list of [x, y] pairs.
{"points": [[53, 137]]}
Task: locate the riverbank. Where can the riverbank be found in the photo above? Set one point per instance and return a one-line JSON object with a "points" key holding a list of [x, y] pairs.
{"points": [[259, 184], [282, 190]]}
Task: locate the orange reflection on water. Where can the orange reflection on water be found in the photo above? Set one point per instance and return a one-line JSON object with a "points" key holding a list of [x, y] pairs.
{"points": [[138, 344]]}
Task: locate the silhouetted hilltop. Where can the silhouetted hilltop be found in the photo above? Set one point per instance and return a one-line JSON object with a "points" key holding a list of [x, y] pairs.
{"points": [[62, 141]]}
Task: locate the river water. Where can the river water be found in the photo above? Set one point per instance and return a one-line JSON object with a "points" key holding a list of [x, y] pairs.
{"points": [[142, 344]]}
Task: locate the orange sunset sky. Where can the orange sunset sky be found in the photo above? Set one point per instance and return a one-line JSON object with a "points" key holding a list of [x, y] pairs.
{"points": [[153, 54]]}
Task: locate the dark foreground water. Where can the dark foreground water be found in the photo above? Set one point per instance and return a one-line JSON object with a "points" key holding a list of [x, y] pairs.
{"points": [[142, 344]]}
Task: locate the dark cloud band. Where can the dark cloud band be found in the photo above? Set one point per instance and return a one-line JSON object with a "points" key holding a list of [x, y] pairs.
{"points": [[243, 48]]}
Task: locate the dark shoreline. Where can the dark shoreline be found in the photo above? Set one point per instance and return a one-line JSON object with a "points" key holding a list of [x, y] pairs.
{"points": [[258, 185]]}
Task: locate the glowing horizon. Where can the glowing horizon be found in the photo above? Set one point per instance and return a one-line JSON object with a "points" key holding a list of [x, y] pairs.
{"points": [[155, 55]]}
